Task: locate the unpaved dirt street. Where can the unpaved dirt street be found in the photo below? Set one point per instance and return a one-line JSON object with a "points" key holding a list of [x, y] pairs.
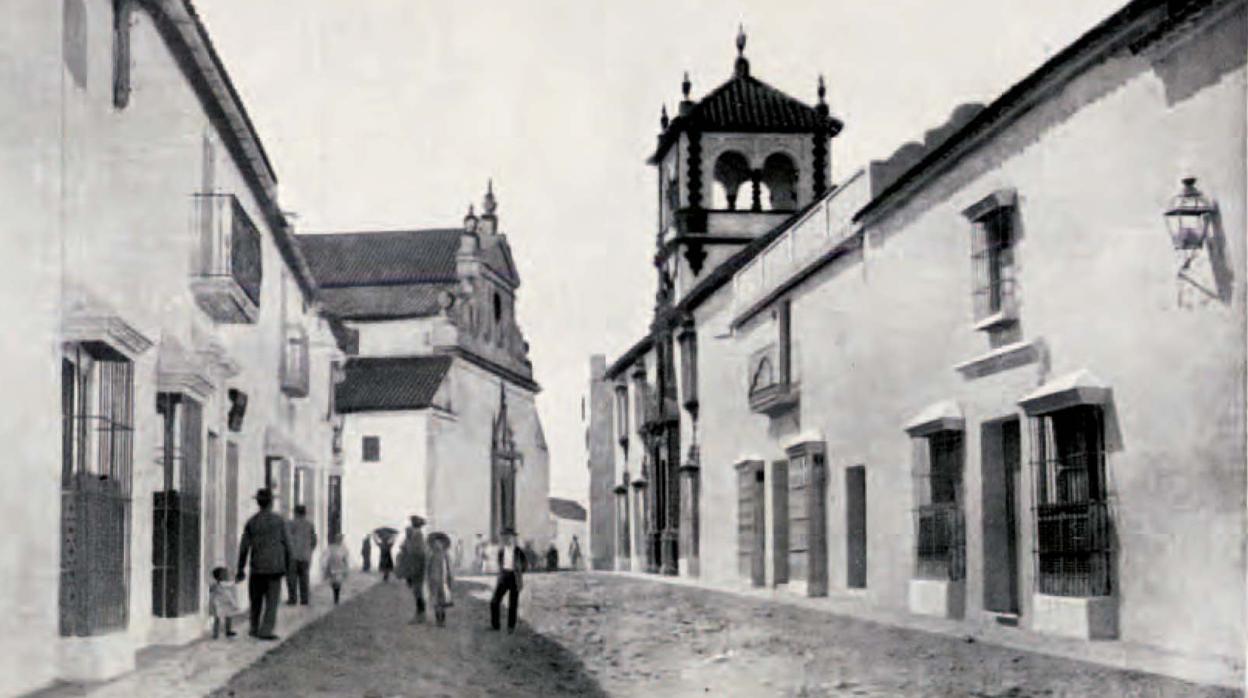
{"points": [[594, 635]]}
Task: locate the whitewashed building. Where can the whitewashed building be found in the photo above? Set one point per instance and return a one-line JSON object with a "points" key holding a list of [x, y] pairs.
{"points": [[164, 336], [996, 378]]}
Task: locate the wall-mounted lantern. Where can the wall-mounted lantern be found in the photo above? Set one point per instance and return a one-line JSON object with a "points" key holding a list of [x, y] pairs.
{"points": [[1189, 217]]}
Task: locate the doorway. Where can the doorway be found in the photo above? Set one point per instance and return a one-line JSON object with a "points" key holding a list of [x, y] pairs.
{"points": [[1001, 457], [751, 523], [231, 504], [780, 521], [856, 526]]}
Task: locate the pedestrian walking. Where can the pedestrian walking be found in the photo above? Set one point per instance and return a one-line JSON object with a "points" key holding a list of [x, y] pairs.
{"points": [[265, 542], [302, 535], [385, 562], [222, 602], [366, 553], [511, 567], [478, 555], [552, 558], [412, 558], [335, 566], [440, 576], [574, 553], [459, 554]]}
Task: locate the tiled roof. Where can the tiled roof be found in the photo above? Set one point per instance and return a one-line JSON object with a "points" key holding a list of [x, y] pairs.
{"points": [[393, 302], [371, 259], [745, 103], [375, 384], [567, 509]]}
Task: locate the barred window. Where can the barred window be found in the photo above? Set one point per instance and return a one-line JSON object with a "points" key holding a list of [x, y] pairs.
{"points": [[1073, 522], [992, 258], [940, 547], [97, 395]]}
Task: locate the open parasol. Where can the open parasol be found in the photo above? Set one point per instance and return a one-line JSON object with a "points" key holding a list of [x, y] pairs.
{"points": [[385, 534], [439, 538]]}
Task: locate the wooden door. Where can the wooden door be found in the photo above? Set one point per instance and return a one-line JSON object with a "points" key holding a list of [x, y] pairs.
{"points": [[856, 526], [1000, 458], [780, 521], [231, 504]]}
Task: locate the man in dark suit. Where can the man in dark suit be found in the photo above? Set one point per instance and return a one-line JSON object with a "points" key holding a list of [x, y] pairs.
{"points": [[511, 567], [265, 540]]}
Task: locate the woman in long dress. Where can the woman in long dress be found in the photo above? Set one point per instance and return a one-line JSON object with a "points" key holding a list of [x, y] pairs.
{"points": [[439, 575]]}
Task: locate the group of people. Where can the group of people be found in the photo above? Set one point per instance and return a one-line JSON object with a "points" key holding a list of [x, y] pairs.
{"points": [[278, 549]]}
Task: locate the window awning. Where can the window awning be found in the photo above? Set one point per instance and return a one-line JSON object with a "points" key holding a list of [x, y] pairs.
{"points": [[278, 443], [181, 371], [86, 318], [1081, 387], [940, 416]]}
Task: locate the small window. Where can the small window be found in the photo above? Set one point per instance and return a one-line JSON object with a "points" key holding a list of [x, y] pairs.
{"points": [[372, 449], [498, 308], [992, 256]]}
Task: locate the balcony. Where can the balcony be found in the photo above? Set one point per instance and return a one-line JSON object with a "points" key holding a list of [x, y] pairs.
{"points": [[226, 269], [295, 362], [772, 390]]}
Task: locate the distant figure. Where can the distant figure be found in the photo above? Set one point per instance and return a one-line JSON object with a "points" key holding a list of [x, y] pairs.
{"points": [[440, 576], [574, 554], [552, 558], [490, 564], [478, 555], [531, 557], [385, 562], [511, 568], [222, 602], [412, 560], [265, 541], [366, 553], [459, 554], [336, 566], [302, 537]]}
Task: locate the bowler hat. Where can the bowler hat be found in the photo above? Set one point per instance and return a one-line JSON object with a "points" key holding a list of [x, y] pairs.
{"points": [[264, 494], [417, 521]]}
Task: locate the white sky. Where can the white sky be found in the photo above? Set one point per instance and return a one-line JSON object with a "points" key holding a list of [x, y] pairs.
{"points": [[392, 113]]}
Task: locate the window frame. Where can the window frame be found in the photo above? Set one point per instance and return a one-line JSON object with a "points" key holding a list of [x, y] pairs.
{"points": [[994, 239]]}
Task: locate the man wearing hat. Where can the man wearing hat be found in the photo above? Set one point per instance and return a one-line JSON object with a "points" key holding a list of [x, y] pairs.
{"points": [[511, 566], [265, 541], [412, 564]]}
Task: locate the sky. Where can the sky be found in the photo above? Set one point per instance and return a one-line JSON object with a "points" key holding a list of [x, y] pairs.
{"points": [[383, 114]]}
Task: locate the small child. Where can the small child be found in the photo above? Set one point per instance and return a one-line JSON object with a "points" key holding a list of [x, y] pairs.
{"points": [[335, 565], [222, 602]]}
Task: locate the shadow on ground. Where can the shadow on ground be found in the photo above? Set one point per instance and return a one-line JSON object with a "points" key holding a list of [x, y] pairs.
{"points": [[368, 648]]}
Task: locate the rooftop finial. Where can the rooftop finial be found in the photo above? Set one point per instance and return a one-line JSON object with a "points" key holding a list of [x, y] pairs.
{"points": [[823, 89], [663, 120], [470, 220], [742, 67], [490, 205], [685, 85]]}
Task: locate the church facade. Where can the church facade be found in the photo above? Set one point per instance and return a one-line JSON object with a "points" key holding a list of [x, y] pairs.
{"points": [[994, 381], [436, 411]]}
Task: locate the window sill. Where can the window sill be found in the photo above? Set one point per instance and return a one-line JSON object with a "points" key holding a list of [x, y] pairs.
{"points": [[1001, 318]]}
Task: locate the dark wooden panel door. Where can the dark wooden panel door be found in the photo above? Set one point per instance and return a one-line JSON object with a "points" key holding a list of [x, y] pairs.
{"points": [[780, 521], [856, 526], [1000, 458]]}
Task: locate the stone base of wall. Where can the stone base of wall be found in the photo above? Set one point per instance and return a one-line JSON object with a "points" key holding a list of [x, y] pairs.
{"points": [[689, 567], [623, 564], [1093, 618], [177, 631], [937, 597], [97, 658]]}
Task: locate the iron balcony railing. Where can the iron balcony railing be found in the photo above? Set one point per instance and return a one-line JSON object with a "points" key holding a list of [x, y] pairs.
{"points": [[940, 542], [227, 251]]}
